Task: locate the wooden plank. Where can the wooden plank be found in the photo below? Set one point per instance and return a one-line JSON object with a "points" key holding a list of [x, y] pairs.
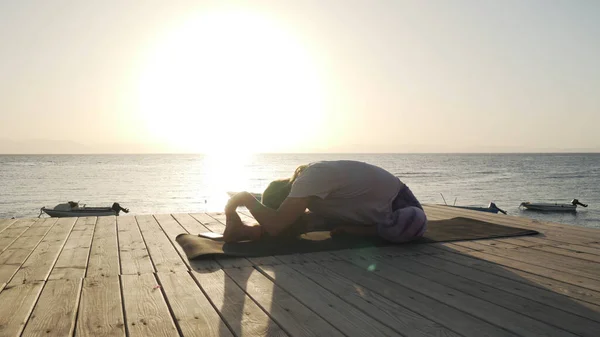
{"points": [[209, 222], [9, 236], [100, 309], [581, 248], [55, 312], [18, 301], [193, 312], [38, 265], [190, 224], [5, 223], [571, 253], [287, 311], [264, 261], [399, 318], [523, 289], [565, 233], [491, 312], [73, 259], [593, 245], [172, 228], [133, 254], [552, 318], [164, 256], [146, 312], [22, 244], [566, 289], [514, 219], [242, 314], [104, 254], [427, 306], [346, 318], [543, 259], [577, 280]]}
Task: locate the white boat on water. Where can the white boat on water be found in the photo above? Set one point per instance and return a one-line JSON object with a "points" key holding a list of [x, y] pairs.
{"points": [[552, 207], [73, 209]]}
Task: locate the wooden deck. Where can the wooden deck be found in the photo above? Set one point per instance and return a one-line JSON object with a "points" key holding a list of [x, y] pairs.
{"points": [[126, 276]]}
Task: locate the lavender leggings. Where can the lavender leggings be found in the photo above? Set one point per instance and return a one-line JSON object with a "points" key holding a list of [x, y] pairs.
{"points": [[408, 220]]}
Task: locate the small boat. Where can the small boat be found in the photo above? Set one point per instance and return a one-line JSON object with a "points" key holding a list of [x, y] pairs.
{"points": [[492, 208], [73, 209], [550, 207], [258, 196]]}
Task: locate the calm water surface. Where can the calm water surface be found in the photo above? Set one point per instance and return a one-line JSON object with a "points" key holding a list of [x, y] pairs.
{"points": [[197, 183]]}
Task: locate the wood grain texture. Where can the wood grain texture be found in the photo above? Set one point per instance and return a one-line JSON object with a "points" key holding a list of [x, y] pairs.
{"points": [[427, 306], [491, 312], [54, 314], [527, 277], [165, 257], [5, 223], [242, 314], [146, 311], [104, 254], [134, 256], [293, 316], [100, 309], [402, 320], [72, 261], [565, 264], [193, 312], [574, 279], [17, 304], [345, 317], [38, 265], [209, 222], [190, 224], [531, 311], [523, 289]]}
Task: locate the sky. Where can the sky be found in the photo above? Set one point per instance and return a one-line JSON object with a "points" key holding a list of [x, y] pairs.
{"points": [[299, 76]]}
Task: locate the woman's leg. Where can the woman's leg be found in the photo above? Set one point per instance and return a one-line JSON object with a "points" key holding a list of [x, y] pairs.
{"points": [[236, 230], [407, 224]]}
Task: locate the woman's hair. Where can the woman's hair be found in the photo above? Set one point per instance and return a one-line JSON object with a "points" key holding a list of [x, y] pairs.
{"points": [[278, 190]]}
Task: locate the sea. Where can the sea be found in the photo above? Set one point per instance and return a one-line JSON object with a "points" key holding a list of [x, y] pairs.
{"points": [[182, 183]]}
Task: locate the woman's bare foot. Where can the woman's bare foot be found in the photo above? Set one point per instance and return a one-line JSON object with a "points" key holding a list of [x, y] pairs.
{"points": [[234, 227]]}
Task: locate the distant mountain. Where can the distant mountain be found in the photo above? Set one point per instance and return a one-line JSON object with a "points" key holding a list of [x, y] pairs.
{"points": [[41, 146], [45, 146]]}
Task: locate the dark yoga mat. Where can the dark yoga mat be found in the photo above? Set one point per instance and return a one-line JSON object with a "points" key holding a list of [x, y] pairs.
{"points": [[455, 229]]}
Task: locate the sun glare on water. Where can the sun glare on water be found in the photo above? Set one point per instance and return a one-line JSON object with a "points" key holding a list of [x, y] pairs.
{"points": [[230, 81]]}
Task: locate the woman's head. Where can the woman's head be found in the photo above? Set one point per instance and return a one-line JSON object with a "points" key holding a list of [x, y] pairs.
{"points": [[278, 190]]}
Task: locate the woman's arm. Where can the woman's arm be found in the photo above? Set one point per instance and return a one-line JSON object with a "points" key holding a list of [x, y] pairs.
{"points": [[272, 221]]}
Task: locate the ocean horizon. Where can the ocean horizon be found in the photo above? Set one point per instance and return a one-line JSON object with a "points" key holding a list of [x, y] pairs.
{"points": [[179, 183]]}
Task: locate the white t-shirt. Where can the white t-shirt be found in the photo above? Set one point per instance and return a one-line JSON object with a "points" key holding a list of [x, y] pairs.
{"points": [[350, 192]]}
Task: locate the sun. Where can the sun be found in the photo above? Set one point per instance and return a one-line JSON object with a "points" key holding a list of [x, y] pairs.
{"points": [[230, 81]]}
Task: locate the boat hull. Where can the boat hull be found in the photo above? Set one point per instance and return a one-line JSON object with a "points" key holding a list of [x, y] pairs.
{"points": [[479, 209], [79, 213], [550, 207]]}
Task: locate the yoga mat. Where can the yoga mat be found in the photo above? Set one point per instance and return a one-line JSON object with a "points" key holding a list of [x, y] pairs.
{"points": [[455, 229]]}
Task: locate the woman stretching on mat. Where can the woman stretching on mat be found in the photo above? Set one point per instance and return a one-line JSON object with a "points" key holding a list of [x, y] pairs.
{"points": [[342, 196]]}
